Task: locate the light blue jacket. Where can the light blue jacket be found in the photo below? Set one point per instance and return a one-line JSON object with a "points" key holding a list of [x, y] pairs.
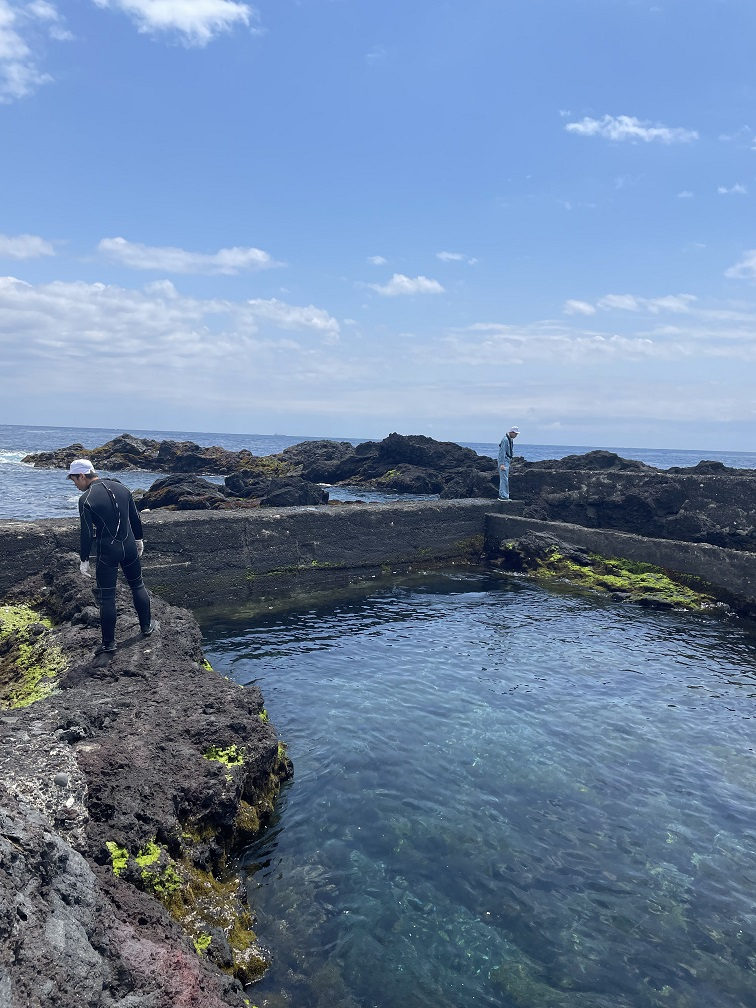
{"points": [[506, 450]]}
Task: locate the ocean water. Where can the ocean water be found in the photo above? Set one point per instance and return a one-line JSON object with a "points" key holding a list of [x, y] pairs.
{"points": [[29, 493], [504, 797]]}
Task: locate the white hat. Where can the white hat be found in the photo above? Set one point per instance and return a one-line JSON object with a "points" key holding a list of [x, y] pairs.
{"points": [[80, 467], [514, 430]]}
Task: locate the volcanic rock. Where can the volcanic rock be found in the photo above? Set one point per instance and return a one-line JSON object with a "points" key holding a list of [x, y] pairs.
{"points": [[183, 493], [704, 503], [275, 491], [125, 792]]}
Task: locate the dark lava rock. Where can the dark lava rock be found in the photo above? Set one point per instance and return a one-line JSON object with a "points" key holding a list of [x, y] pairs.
{"points": [[529, 551], [708, 467], [122, 761], [124, 452], [410, 479], [590, 462], [183, 493], [60, 458], [700, 504], [314, 460], [188, 457], [441, 456], [470, 483], [127, 452], [275, 491], [399, 464]]}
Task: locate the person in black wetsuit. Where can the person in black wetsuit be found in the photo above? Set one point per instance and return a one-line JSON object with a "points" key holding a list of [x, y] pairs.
{"points": [[110, 520]]}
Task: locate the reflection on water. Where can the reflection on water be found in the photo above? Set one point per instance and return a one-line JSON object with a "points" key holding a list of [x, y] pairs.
{"points": [[504, 797]]}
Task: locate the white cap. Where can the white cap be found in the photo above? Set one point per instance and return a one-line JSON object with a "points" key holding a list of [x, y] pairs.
{"points": [[514, 430], [80, 467]]}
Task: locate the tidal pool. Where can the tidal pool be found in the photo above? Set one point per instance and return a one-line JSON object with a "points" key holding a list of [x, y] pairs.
{"points": [[504, 797]]}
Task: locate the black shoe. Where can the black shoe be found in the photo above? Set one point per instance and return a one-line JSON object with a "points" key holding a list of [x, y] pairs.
{"points": [[150, 630], [105, 648]]}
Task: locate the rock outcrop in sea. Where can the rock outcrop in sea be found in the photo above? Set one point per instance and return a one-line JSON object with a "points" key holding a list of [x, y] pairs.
{"points": [[708, 502], [411, 464], [126, 791]]}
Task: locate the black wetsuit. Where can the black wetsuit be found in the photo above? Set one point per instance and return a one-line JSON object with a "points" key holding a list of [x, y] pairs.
{"points": [[110, 520]]}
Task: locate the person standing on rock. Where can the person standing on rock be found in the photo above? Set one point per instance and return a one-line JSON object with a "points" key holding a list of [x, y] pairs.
{"points": [[109, 519], [506, 454]]}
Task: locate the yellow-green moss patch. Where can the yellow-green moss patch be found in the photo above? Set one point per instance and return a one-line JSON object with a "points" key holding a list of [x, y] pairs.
{"points": [[119, 856], [641, 582], [202, 943], [233, 755], [31, 663]]}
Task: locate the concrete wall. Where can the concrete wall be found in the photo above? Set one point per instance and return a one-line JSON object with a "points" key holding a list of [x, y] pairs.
{"points": [[214, 558], [206, 558], [732, 573]]}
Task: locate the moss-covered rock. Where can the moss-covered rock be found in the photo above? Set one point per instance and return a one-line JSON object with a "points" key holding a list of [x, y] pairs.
{"points": [[653, 587], [30, 660]]}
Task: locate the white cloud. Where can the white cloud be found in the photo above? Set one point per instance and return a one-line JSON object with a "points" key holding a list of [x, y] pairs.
{"points": [[736, 190], [189, 356], [400, 284], [745, 269], [61, 322], [629, 302], [629, 128], [292, 317], [196, 21], [376, 55], [23, 28], [229, 261], [572, 307], [377, 260], [24, 247], [743, 137], [704, 335], [455, 257], [685, 194]]}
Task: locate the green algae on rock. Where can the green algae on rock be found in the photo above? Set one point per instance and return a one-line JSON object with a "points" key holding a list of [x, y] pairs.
{"points": [[642, 583], [30, 663], [231, 756]]}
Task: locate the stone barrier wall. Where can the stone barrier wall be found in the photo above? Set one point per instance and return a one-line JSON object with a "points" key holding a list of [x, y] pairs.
{"points": [[204, 559], [207, 558], [731, 572]]}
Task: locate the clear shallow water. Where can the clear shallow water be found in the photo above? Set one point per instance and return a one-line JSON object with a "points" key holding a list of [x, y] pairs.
{"points": [[28, 493], [506, 798]]}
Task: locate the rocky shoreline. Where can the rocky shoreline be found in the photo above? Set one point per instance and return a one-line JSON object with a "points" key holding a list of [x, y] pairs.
{"points": [[706, 503], [412, 464], [127, 790]]}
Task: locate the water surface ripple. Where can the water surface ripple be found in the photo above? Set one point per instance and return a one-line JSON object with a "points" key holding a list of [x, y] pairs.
{"points": [[505, 798]]}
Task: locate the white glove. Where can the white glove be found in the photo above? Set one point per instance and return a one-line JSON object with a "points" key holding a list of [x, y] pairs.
{"points": [[84, 568], [140, 547]]}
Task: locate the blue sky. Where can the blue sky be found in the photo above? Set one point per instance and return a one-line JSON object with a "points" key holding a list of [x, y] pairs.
{"points": [[348, 217]]}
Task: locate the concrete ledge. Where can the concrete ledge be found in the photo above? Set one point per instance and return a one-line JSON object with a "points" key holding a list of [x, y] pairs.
{"points": [[732, 573], [207, 558]]}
